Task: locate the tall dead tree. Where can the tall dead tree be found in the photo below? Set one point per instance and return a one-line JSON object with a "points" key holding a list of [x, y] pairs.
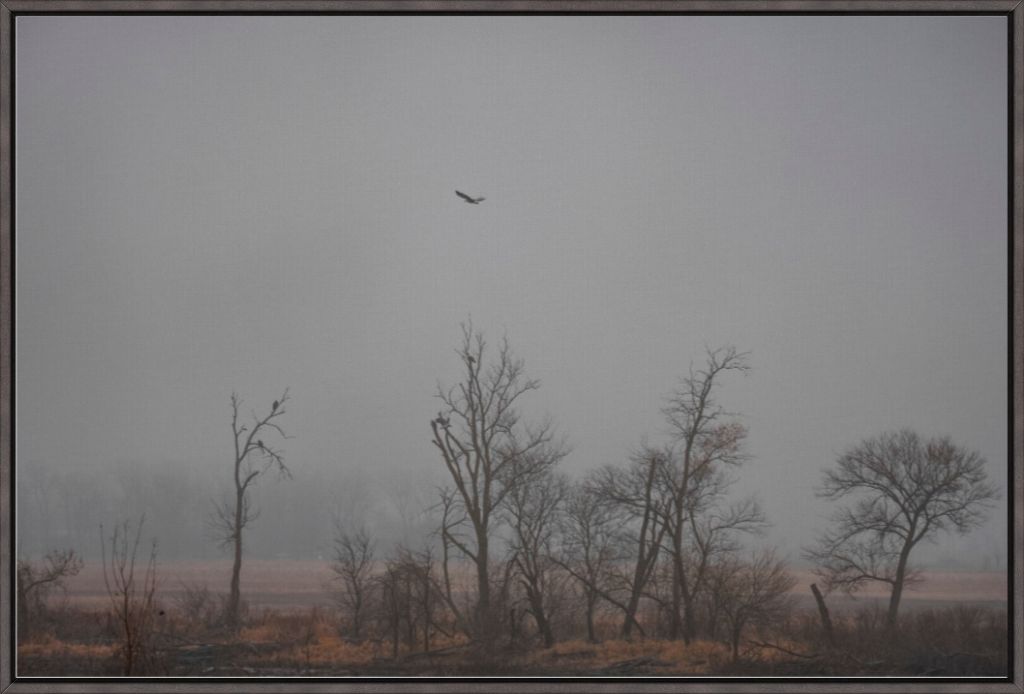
{"points": [[487, 449], [707, 439], [254, 457]]}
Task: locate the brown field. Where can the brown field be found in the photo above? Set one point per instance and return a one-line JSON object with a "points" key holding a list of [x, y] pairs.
{"points": [[300, 585], [938, 588], [282, 585]]}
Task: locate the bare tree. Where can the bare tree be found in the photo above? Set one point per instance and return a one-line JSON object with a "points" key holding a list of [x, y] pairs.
{"points": [[131, 595], [588, 549], [37, 582], [904, 490], [534, 506], [353, 568], [632, 489], [754, 592], [485, 448], [708, 440], [253, 458], [711, 530]]}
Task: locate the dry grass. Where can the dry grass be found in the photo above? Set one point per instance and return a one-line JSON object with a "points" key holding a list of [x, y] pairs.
{"points": [[50, 647], [669, 657], [956, 639]]}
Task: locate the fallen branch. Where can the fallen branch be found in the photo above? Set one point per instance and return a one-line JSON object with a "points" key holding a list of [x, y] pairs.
{"points": [[765, 644], [440, 651]]}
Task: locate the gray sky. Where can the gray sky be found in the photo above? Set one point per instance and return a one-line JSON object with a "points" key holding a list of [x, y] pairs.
{"points": [[208, 204]]}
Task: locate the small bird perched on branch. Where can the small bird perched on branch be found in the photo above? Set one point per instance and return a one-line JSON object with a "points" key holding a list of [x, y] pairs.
{"points": [[273, 408]]}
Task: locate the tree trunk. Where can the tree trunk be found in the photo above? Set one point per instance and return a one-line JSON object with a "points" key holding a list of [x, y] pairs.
{"points": [[396, 631], [897, 588], [826, 621], [591, 604], [737, 630], [357, 615], [630, 619], [675, 629], [484, 625], [689, 619], [234, 597], [426, 609], [543, 624]]}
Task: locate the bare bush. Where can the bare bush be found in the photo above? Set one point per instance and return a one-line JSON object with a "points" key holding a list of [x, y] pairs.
{"points": [[353, 570], [198, 606], [131, 596], [37, 582], [752, 593]]}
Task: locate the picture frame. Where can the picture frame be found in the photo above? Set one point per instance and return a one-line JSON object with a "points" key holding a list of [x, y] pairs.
{"points": [[11, 10]]}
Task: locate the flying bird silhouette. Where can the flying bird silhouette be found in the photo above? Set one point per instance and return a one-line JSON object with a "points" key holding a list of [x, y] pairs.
{"points": [[471, 201]]}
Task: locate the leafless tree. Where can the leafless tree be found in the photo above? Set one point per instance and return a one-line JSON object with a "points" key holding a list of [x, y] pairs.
{"points": [[353, 568], [632, 489], [253, 458], [37, 582], [485, 447], [588, 550], [707, 439], [903, 490], [131, 595], [756, 592], [534, 505], [713, 535]]}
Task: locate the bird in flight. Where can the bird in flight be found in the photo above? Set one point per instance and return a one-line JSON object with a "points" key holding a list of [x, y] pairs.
{"points": [[471, 201]]}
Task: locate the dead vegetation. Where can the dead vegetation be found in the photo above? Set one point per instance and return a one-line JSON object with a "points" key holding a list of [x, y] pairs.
{"points": [[960, 640]]}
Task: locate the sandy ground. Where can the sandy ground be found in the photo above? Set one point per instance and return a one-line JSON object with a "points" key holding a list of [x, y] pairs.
{"points": [[304, 584]]}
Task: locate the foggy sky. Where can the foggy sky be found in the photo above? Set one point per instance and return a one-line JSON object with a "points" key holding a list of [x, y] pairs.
{"points": [[218, 204]]}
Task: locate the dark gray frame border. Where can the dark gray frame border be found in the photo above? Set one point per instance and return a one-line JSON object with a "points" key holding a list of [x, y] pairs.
{"points": [[1013, 9]]}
